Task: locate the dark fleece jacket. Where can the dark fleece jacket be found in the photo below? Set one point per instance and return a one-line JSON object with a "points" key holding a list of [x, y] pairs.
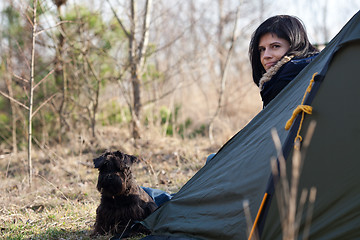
{"points": [[282, 78]]}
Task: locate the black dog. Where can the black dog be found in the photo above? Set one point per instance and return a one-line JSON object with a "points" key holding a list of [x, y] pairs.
{"points": [[123, 202]]}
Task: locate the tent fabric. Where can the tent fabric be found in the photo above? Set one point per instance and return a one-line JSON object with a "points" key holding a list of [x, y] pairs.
{"points": [[332, 165], [211, 204]]}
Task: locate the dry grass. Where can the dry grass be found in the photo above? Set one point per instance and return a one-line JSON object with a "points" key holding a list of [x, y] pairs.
{"points": [[63, 200], [291, 210]]}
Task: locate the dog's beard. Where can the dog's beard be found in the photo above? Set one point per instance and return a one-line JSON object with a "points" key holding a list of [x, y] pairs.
{"points": [[111, 185]]}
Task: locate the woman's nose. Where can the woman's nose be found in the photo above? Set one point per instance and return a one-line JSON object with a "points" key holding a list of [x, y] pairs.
{"points": [[267, 53]]}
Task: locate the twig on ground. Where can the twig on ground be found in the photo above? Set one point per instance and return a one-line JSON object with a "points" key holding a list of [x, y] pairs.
{"points": [[57, 188]]}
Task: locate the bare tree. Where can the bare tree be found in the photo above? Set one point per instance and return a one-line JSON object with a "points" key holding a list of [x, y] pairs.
{"points": [[224, 59], [60, 71], [32, 87], [8, 81], [31, 90], [136, 56], [8, 56]]}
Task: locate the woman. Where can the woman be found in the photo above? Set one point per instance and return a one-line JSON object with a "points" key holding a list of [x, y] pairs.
{"points": [[279, 50]]}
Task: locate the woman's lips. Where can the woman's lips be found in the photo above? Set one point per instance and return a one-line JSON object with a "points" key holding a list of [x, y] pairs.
{"points": [[269, 65]]}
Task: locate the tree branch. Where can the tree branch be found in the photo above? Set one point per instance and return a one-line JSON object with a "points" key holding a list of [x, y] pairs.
{"points": [[44, 78], [14, 100], [145, 33], [21, 78], [119, 21], [56, 25], [43, 104]]}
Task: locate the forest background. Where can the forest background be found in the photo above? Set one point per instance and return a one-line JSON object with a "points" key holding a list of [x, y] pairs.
{"points": [[168, 81]]}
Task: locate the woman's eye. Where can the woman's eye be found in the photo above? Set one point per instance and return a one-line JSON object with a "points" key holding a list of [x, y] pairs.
{"points": [[261, 49], [276, 46]]}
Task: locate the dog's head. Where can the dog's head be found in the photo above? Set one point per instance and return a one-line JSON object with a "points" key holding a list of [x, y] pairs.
{"points": [[115, 175]]}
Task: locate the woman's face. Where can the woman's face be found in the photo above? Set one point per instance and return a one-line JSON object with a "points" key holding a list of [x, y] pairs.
{"points": [[272, 49]]}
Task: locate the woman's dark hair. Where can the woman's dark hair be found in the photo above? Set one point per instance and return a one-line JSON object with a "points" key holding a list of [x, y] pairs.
{"points": [[283, 26]]}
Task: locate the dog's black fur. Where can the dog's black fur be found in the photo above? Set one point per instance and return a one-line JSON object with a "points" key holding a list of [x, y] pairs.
{"points": [[123, 202]]}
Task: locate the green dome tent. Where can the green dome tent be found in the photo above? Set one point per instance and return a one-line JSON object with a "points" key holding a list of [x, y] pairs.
{"points": [[211, 204]]}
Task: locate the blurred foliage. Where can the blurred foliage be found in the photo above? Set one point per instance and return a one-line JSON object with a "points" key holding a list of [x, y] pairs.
{"points": [[113, 114], [172, 126], [4, 118], [152, 75], [3, 104], [87, 53]]}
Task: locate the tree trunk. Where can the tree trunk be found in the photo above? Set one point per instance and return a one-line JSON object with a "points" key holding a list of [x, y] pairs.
{"points": [[223, 64], [31, 92], [136, 105], [60, 75], [136, 58], [8, 80]]}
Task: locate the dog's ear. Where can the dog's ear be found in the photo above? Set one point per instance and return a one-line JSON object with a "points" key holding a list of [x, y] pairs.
{"points": [[129, 159], [133, 159], [98, 162]]}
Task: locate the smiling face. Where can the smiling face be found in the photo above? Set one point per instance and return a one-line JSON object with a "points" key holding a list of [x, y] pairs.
{"points": [[272, 49]]}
